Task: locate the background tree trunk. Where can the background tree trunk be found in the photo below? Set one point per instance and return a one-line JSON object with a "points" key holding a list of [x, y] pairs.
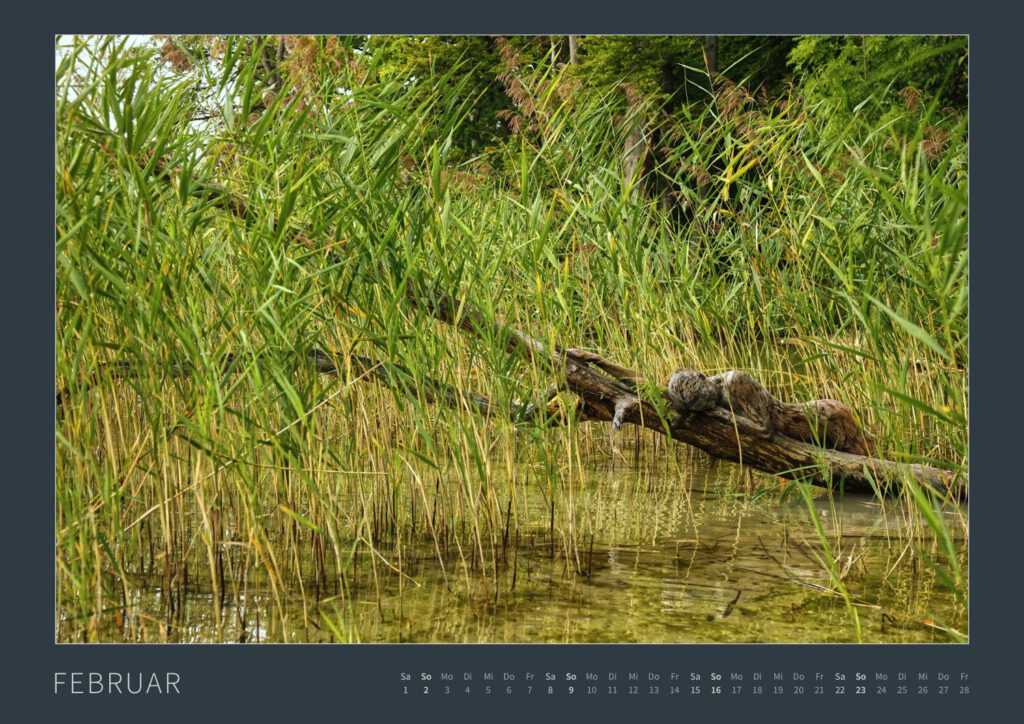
{"points": [[711, 53]]}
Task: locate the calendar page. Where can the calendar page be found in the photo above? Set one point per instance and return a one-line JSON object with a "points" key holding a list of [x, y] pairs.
{"points": [[439, 370]]}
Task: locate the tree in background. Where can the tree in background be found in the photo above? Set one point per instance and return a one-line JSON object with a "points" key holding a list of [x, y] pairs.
{"points": [[476, 62], [672, 70], [670, 97], [869, 79]]}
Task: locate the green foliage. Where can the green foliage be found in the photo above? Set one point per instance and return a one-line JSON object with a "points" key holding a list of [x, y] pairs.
{"points": [[829, 259], [652, 65], [672, 70], [871, 79], [472, 60]]}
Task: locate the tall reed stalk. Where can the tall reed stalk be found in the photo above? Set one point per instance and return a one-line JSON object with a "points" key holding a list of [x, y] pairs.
{"points": [[825, 268]]}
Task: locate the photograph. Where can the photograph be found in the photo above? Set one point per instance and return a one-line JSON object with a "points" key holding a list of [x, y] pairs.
{"points": [[510, 339]]}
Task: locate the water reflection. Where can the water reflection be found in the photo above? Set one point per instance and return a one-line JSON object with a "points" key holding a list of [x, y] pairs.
{"points": [[654, 556]]}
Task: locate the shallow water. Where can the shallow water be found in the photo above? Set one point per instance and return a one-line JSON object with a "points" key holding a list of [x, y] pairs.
{"points": [[661, 557]]}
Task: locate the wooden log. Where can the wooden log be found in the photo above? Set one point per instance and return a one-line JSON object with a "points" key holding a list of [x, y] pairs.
{"points": [[390, 375], [615, 394], [718, 433]]}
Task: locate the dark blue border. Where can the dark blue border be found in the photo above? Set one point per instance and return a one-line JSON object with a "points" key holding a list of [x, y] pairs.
{"points": [[339, 681]]}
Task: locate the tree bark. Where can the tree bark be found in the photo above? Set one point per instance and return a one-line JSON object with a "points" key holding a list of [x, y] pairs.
{"points": [[711, 51], [716, 433]]}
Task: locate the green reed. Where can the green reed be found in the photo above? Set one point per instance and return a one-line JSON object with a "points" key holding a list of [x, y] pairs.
{"points": [[828, 269]]}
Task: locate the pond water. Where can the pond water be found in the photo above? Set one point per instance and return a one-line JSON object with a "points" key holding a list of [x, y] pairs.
{"points": [[665, 557]]}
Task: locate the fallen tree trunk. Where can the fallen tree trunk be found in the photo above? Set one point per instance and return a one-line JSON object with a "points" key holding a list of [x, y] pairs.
{"points": [[716, 433], [351, 366], [612, 394]]}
